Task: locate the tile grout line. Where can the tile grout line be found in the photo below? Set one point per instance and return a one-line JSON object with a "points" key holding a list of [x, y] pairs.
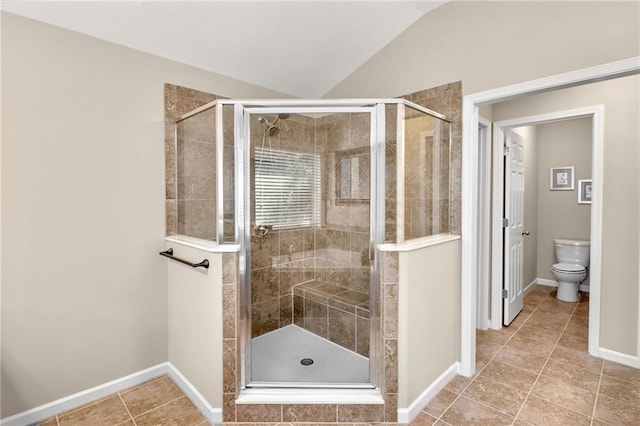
{"points": [[161, 405], [505, 344], [595, 402], [126, 408], [488, 406], [547, 360], [439, 418]]}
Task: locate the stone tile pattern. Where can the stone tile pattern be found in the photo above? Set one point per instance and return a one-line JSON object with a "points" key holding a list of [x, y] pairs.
{"points": [[334, 313], [537, 371], [426, 187], [385, 345], [335, 253], [447, 100], [190, 160], [156, 402]]}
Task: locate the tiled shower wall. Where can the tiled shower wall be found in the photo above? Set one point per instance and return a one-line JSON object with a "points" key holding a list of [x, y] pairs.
{"points": [[447, 100], [280, 259], [327, 268], [336, 306], [190, 200], [426, 186]]}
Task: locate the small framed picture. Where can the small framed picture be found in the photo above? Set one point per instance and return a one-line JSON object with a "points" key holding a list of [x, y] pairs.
{"points": [[584, 191], [561, 178]]}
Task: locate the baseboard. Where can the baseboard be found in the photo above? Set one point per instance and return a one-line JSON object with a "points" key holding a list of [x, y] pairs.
{"points": [[406, 415], [213, 415], [46, 411], [619, 357], [532, 284], [70, 402], [547, 282]]}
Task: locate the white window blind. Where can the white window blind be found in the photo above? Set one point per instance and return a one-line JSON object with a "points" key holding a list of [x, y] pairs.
{"points": [[287, 188]]}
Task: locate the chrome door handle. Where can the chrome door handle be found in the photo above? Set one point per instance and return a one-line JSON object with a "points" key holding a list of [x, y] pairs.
{"points": [[525, 232]]}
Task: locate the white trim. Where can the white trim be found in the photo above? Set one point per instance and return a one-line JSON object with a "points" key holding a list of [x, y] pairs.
{"points": [[619, 357], [213, 415], [595, 262], [407, 415], [469, 249], [607, 71], [547, 282], [497, 197], [309, 396], [418, 243], [87, 396], [484, 223], [530, 286], [78, 399], [204, 245], [469, 187]]}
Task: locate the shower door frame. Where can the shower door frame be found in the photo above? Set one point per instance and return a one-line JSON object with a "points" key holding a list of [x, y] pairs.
{"points": [[242, 114]]}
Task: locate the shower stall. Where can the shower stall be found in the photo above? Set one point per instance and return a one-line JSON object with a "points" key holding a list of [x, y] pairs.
{"points": [[308, 193]]}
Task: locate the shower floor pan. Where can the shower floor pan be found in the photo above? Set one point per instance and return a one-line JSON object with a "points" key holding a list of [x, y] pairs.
{"points": [[277, 358]]}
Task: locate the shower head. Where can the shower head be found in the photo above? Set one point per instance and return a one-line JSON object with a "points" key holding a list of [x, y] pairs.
{"points": [[272, 128]]}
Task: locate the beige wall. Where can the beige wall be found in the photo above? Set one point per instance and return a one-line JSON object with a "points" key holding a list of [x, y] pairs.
{"points": [[195, 321], [493, 44], [553, 214], [621, 182], [84, 292], [563, 143], [428, 317], [530, 242], [462, 41]]}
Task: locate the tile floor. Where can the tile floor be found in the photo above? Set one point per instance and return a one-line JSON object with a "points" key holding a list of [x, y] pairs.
{"points": [[535, 372], [157, 402]]}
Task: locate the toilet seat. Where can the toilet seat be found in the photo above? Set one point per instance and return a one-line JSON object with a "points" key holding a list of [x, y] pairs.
{"points": [[569, 268]]}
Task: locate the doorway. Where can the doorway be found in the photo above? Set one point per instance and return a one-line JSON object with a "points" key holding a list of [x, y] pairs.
{"points": [[508, 232], [470, 189]]}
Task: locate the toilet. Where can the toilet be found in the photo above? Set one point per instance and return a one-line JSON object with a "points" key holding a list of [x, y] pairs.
{"points": [[571, 269]]}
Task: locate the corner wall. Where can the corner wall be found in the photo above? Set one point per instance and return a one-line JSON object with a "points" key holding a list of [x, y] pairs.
{"points": [[84, 292], [195, 321], [428, 317]]}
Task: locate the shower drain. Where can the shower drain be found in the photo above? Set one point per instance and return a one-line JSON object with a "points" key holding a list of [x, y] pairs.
{"points": [[306, 361]]}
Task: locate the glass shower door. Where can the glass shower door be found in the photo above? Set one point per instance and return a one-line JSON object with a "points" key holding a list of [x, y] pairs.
{"points": [[308, 232]]}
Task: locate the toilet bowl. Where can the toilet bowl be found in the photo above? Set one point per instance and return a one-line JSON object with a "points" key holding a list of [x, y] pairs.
{"points": [[571, 269], [569, 277]]}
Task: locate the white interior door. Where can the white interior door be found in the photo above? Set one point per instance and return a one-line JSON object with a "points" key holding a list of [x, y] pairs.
{"points": [[513, 231]]}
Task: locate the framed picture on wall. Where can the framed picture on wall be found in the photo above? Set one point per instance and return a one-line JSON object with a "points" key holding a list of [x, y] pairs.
{"points": [[561, 178], [584, 191]]}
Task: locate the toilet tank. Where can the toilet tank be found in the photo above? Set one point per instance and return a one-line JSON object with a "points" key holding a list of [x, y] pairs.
{"points": [[572, 251]]}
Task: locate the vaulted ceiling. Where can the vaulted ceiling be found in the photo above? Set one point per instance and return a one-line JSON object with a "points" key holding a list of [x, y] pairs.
{"points": [[301, 48]]}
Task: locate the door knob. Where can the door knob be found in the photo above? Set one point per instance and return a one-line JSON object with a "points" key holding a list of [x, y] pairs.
{"points": [[525, 232]]}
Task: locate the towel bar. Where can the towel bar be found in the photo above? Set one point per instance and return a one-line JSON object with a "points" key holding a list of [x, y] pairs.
{"points": [[169, 253]]}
